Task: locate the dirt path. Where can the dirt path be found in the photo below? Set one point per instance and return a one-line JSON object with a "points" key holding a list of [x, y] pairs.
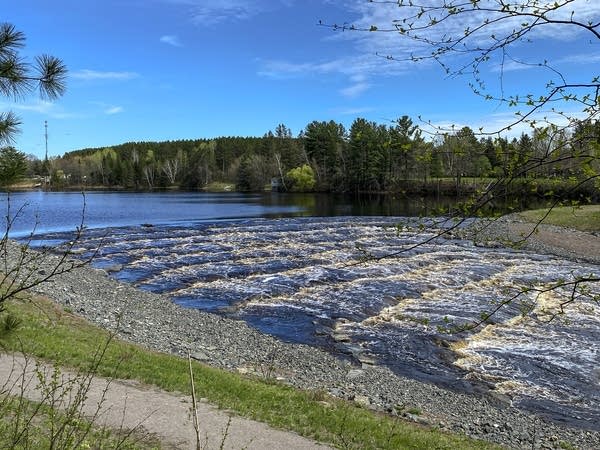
{"points": [[165, 415]]}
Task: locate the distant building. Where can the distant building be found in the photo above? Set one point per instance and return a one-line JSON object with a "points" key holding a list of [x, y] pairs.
{"points": [[276, 184]]}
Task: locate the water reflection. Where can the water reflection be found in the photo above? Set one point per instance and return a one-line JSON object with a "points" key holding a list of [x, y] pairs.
{"points": [[60, 211]]}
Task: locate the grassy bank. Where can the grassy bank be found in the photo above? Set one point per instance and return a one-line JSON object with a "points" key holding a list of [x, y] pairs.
{"points": [[50, 333], [583, 218]]}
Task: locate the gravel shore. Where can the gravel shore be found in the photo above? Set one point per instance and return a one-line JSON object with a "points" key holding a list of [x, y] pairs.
{"points": [[511, 230], [155, 322]]}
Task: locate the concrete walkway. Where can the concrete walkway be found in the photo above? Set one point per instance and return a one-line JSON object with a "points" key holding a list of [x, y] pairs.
{"points": [[167, 416]]}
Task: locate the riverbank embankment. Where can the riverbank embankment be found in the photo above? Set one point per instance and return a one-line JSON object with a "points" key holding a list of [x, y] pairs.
{"points": [[512, 230]]}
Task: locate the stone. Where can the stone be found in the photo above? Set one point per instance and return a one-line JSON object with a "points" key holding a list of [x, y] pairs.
{"points": [[114, 268], [200, 356], [354, 374], [362, 400]]}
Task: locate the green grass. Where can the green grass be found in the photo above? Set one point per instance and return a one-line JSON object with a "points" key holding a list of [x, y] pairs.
{"points": [[50, 333], [217, 186], [584, 218]]}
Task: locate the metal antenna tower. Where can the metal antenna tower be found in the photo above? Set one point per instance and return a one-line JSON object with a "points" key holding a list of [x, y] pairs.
{"points": [[46, 135]]}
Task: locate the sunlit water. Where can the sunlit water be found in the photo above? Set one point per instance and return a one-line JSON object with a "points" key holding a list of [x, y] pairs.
{"points": [[297, 278], [41, 211]]}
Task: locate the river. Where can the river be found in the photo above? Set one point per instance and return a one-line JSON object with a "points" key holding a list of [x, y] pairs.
{"points": [[287, 265]]}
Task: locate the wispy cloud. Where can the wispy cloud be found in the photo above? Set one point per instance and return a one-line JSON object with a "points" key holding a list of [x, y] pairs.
{"points": [[355, 90], [107, 108], [502, 121], [42, 107], [580, 58], [358, 69], [387, 15], [279, 69], [353, 111], [366, 52], [213, 12], [171, 40], [113, 110], [514, 66], [359, 85], [87, 74], [552, 65]]}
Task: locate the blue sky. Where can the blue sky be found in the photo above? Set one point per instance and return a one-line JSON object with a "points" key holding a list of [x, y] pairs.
{"points": [[150, 70]]}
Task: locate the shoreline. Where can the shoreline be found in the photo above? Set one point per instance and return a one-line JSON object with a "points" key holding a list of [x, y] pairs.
{"points": [[512, 231], [155, 322]]}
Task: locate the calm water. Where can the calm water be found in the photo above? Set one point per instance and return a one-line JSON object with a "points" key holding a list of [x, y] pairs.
{"points": [[275, 265], [60, 211]]}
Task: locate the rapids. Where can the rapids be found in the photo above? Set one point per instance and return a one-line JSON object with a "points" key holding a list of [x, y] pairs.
{"points": [[306, 280]]}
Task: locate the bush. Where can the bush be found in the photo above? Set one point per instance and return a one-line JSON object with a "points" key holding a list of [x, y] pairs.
{"points": [[301, 179]]}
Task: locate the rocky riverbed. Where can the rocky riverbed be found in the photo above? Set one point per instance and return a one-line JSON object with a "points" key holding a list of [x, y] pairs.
{"points": [[154, 321]]}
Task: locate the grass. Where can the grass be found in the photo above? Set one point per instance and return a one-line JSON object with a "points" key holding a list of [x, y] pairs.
{"points": [[584, 218], [53, 334], [217, 186]]}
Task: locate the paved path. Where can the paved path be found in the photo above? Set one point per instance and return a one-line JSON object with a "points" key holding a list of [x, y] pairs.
{"points": [[166, 415]]}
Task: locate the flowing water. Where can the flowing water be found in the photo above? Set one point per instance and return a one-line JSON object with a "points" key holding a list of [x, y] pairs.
{"points": [[298, 279], [305, 280]]}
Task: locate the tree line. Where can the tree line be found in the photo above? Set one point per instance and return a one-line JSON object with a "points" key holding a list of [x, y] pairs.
{"points": [[326, 157]]}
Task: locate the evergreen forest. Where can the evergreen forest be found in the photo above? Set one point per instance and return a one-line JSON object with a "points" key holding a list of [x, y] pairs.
{"points": [[327, 157]]}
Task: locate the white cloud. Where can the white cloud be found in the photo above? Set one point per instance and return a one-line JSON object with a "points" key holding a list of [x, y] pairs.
{"points": [[87, 74], [358, 68], [493, 123], [580, 58], [113, 110], [42, 107], [355, 90], [367, 51], [286, 69], [171, 40], [515, 66], [387, 16], [107, 108], [45, 108], [209, 13], [353, 111]]}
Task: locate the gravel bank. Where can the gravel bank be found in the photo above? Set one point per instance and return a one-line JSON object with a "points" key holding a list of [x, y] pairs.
{"points": [[511, 230], [155, 322]]}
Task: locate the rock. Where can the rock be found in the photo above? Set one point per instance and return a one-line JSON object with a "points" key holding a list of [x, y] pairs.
{"points": [[78, 251], [341, 337], [354, 374], [366, 360], [200, 356], [362, 400], [113, 268], [336, 392], [417, 419]]}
